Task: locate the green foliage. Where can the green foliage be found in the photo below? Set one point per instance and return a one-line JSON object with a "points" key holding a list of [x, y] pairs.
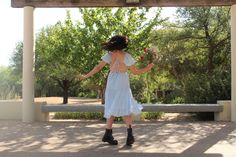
{"points": [[195, 55], [8, 86], [78, 115], [194, 52], [16, 62], [11, 76], [16, 65], [102, 23], [178, 100], [208, 89], [99, 115], [58, 56], [151, 115], [67, 49], [209, 30]]}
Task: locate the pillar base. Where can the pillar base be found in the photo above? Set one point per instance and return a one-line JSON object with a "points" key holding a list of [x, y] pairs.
{"points": [[225, 115], [39, 115]]}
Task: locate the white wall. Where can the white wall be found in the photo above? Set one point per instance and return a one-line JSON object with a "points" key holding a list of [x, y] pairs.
{"points": [[12, 109]]}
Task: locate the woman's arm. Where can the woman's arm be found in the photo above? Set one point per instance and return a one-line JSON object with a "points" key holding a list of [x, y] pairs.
{"points": [[137, 71], [96, 69]]}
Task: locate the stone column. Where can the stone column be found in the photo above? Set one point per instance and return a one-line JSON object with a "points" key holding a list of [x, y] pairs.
{"points": [[28, 66], [233, 63]]}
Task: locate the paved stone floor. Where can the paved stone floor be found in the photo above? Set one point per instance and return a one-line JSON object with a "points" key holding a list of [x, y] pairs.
{"points": [[83, 139]]}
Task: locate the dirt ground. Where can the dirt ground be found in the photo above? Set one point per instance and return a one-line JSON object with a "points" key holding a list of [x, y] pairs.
{"points": [[71, 100]]}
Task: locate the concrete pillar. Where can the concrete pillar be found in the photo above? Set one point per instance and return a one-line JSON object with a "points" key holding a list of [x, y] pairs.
{"points": [[28, 66], [233, 63], [225, 115]]}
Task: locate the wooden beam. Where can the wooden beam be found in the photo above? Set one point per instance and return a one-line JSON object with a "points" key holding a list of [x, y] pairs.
{"points": [[118, 3]]}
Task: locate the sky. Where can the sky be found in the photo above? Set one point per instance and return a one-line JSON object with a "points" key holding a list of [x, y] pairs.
{"points": [[11, 25]]}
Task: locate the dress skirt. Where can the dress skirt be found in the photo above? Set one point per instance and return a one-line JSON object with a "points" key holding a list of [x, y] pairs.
{"points": [[119, 100]]}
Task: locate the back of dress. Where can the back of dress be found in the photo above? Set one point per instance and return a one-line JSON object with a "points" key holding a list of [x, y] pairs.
{"points": [[119, 100], [117, 64]]}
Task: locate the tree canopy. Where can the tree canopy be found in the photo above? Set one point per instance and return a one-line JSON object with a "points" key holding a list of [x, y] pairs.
{"points": [[194, 54]]}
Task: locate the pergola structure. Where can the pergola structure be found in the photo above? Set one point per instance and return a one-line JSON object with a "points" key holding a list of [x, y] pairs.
{"points": [[28, 55]]}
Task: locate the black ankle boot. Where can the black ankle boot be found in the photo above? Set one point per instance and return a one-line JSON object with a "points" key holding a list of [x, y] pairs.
{"points": [[109, 138], [130, 137]]}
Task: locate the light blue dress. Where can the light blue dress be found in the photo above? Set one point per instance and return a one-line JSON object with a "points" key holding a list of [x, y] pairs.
{"points": [[119, 100]]}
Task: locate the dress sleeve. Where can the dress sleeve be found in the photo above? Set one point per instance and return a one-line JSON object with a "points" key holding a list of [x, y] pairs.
{"points": [[129, 60], [106, 58]]}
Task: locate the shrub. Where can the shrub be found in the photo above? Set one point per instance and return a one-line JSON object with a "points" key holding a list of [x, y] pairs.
{"points": [[78, 115], [99, 115], [151, 115]]}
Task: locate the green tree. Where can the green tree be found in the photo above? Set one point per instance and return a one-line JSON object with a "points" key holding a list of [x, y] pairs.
{"points": [[210, 36], [102, 23], [209, 30], [16, 65], [196, 53], [58, 56], [66, 50], [7, 84]]}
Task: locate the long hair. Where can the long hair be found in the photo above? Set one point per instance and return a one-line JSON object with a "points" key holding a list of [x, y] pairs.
{"points": [[117, 42]]}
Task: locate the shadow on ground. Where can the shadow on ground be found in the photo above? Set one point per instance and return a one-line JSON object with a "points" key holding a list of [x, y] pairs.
{"points": [[83, 138]]}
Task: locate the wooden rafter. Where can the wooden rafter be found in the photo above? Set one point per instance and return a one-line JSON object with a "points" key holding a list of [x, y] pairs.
{"points": [[119, 3]]}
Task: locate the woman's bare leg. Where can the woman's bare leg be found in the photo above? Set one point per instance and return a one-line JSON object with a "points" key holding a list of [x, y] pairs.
{"points": [[109, 122], [128, 121]]}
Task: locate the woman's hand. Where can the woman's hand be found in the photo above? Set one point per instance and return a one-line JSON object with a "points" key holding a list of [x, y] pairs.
{"points": [[150, 66], [96, 69], [82, 77]]}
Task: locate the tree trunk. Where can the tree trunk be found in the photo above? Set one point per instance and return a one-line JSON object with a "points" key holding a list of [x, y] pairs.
{"points": [[104, 90], [210, 50], [65, 91], [210, 60], [103, 95]]}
